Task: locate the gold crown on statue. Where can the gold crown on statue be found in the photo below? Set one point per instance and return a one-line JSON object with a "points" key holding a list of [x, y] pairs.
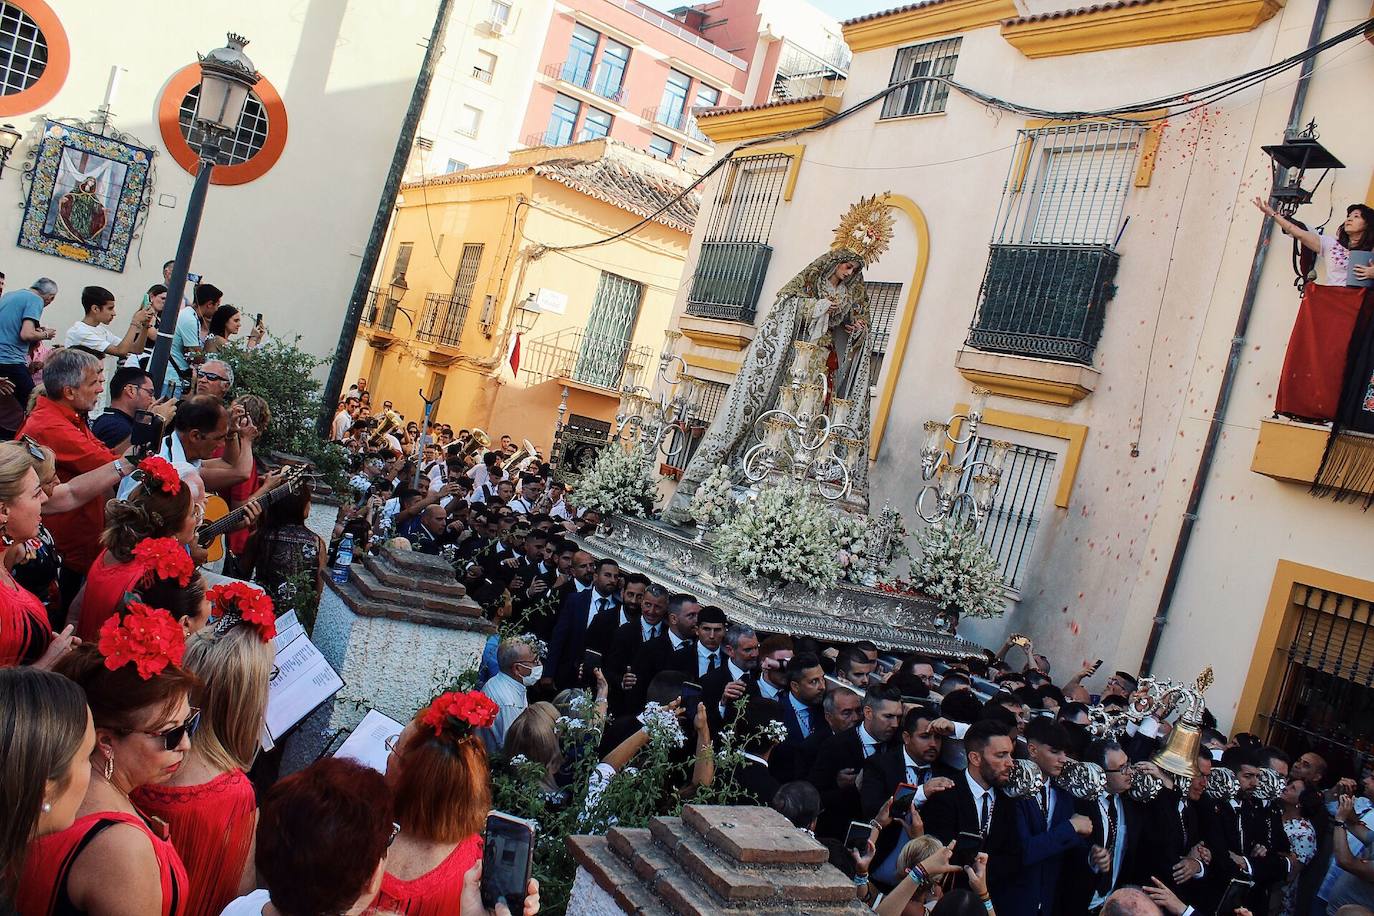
{"points": [[866, 228]]}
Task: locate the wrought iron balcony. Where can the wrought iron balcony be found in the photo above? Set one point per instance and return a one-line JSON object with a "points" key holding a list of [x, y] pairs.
{"points": [[1045, 301], [572, 354], [728, 280], [567, 72], [379, 311], [481, 75], [442, 320]]}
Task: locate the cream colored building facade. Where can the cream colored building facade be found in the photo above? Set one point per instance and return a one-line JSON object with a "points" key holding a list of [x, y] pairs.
{"points": [[283, 228], [1108, 428]]}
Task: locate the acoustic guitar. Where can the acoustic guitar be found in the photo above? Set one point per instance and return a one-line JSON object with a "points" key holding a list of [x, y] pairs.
{"points": [[220, 519]]}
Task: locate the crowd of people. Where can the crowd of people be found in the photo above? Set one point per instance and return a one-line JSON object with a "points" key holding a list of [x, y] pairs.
{"points": [[134, 685]]}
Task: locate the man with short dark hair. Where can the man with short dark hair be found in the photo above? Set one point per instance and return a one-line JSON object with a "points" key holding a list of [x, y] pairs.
{"points": [[626, 690], [92, 332], [655, 655], [801, 705], [192, 325], [569, 641], [915, 762], [701, 656], [841, 710], [977, 805], [602, 632], [72, 381], [131, 390], [1118, 832], [853, 666], [774, 654], [841, 757]]}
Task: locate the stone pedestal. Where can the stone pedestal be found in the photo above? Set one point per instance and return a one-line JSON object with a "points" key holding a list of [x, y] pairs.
{"points": [[711, 861], [393, 631]]}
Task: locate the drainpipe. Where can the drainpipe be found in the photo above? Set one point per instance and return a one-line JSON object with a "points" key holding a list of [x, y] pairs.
{"points": [[1228, 379], [381, 221]]}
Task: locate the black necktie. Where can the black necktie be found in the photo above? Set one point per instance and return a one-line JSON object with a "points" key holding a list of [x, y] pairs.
{"points": [[711, 662], [1045, 803], [985, 819], [917, 774]]}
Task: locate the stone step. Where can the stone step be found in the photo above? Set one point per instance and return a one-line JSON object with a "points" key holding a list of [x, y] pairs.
{"points": [[736, 882], [754, 836], [615, 876], [378, 591], [385, 570]]}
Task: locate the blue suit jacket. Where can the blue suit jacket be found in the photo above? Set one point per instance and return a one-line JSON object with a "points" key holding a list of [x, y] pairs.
{"points": [[569, 641], [789, 718], [1033, 889]]}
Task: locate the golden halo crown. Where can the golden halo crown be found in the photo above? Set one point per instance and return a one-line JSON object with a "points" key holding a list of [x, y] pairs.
{"points": [[866, 228]]}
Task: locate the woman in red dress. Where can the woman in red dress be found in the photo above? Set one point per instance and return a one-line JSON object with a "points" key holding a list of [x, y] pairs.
{"points": [[209, 803], [438, 772], [113, 859], [162, 506], [25, 635]]}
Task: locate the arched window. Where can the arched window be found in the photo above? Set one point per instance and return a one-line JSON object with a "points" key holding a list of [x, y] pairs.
{"points": [[247, 140], [34, 55], [253, 148]]}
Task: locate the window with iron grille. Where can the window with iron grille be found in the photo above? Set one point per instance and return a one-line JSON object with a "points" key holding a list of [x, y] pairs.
{"points": [[883, 301], [247, 138], [734, 254], [23, 50], [934, 58], [1325, 701], [1009, 530], [466, 279]]}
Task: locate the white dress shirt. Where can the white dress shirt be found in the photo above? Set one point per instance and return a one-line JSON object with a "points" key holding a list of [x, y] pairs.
{"points": [[979, 793], [703, 659], [870, 744], [768, 691], [598, 603]]}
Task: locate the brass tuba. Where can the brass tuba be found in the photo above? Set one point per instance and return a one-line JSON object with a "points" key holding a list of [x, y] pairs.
{"points": [[390, 420], [473, 442]]}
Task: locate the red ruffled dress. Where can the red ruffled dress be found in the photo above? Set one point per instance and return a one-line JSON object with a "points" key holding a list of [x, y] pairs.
{"points": [[435, 893], [106, 586], [212, 827], [24, 628], [48, 865]]}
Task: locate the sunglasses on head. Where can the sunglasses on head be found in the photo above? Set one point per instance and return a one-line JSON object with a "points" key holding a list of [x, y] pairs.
{"points": [[35, 450]]}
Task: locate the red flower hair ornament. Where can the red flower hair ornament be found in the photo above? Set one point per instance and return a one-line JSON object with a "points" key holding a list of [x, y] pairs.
{"points": [[165, 558], [238, 602], [472, 709], [159, 474], [145, 637]]}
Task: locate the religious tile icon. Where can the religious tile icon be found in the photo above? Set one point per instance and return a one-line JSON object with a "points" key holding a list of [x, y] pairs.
{"points": [[85, 197]]}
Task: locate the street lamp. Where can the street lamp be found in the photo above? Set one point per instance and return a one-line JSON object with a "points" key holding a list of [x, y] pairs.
{"points": [[8, 138], [226, 78], [1290, 160], [526, 314]]}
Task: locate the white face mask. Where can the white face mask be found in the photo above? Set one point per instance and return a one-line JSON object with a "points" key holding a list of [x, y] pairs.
{"points": [[533, 677]]}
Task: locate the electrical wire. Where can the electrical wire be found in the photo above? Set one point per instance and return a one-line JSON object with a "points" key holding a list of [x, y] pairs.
{"points": [[1144, 112]]}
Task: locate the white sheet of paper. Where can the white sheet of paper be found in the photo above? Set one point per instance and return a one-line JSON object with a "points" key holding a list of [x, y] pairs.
{"points": [[367, 743], [304, 680], [288, 628]]}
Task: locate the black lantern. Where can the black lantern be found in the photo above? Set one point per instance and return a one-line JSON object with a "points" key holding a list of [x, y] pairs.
{"points": [[9, 137], [1291, 159]]}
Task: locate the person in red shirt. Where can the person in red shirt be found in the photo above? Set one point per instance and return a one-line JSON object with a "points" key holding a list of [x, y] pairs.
{"points": [[72, 382]]}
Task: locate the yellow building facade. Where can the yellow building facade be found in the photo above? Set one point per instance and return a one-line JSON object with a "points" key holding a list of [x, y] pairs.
{"points": [[479, 259]]}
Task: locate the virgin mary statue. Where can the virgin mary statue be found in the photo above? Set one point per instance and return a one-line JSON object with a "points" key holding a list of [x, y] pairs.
{"points": [[827, 305]]}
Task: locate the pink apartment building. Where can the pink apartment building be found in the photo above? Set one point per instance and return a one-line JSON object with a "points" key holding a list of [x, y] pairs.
{"points": [[621, 69]]}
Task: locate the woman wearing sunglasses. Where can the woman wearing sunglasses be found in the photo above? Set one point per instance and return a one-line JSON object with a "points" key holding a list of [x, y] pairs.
{"points": [[26, 638], [113, 859], [208, 804]]}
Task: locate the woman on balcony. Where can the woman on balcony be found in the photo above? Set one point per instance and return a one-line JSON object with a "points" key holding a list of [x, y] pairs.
{"points": [[1314, 369]]}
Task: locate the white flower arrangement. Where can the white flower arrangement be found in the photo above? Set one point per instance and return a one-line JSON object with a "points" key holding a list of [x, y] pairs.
{"points": [[712, 503], [786, 535], [662, 725], [957, 570], [775, 731], [870, 547], [619, 482], [537, 645]]}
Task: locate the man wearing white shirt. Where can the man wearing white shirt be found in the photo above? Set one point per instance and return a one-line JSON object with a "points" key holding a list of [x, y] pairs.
{"points": [[531, 488], [520, 669], [92, 332], [559, 509]]}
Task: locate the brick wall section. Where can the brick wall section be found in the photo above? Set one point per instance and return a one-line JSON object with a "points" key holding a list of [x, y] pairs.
{"points": [[716, 860]]}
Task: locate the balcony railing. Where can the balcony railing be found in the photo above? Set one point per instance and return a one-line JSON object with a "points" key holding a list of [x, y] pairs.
{"points": [[379, 311], [1045, 301], [681, 121], [442, 320], [572, 354], [728, 280], [482, 76], [567, 72]]}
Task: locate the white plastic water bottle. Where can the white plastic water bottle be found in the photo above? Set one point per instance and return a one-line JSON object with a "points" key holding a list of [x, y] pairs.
{"points": [[343, 559]]}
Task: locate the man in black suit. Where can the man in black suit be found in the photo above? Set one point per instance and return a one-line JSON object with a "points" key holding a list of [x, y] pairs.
{"points": [[1267, 858], [916, 761], [570, 632], [774, 653], [1112, 858], [757, 746], [626, 690], [976, 805], [1179, 828], [722, 687], [841, 758], [657, 654], [602, 630], [853, 666], [664, 688], [704, 654], [801, 707], [841, 709]]}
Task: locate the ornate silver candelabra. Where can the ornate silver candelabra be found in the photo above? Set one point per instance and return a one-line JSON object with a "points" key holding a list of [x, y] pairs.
{"points": [[946, 458], [657, 425], [808, 434]]}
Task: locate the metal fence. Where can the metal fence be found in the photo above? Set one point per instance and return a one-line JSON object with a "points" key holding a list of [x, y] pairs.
{"points": [[1009, 530], [573, 354], [1325, 701], [803, 73], [379, 309], [884, 299], [442, 320], [934, 58]]}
